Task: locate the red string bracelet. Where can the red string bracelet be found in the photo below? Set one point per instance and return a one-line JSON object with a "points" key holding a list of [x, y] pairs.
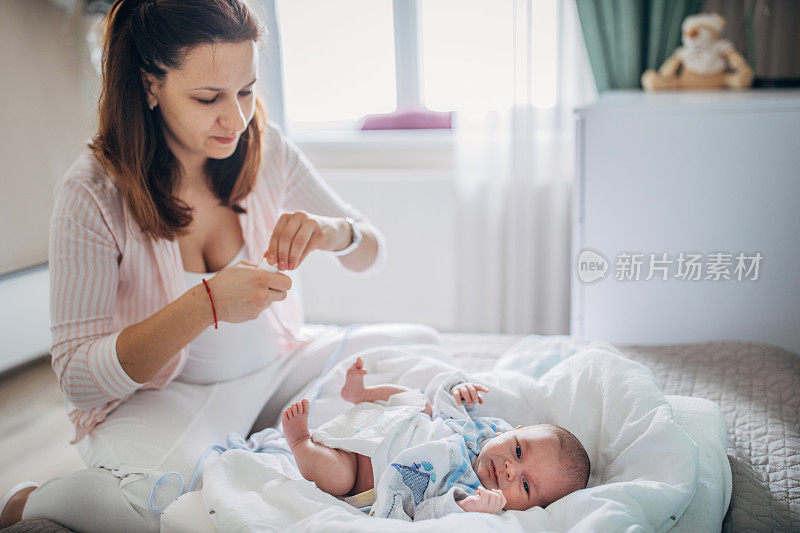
{"points": [[213, 310]]}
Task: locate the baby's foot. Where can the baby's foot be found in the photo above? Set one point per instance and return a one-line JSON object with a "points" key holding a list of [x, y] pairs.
{"points": [[295, 423], [353, 390]]}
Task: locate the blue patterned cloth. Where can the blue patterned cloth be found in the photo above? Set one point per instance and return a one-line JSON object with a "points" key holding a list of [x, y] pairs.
{"points": [[424, 481]]}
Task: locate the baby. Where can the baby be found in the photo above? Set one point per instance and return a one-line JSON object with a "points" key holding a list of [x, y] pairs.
{"points": [[516, 469]]}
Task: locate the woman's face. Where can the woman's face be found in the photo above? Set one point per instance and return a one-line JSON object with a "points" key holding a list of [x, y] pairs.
{"points": [[208, 102]]}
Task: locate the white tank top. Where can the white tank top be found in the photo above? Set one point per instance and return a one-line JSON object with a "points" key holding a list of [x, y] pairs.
{"points": [[233, 350]]}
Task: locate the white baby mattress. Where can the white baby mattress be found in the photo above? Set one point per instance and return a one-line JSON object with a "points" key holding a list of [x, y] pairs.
{"points": [[702, 420]]}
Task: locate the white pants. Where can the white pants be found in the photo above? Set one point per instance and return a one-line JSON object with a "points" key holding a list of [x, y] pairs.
{"points": [[167, 430]]}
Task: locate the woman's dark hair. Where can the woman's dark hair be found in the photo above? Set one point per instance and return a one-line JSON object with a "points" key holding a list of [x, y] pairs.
{"points": [[154, 36]]}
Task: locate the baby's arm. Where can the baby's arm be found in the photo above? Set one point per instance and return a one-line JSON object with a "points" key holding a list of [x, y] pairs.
{"points": [[456, 500], [484, 501], [354, 390], [468, 392]]}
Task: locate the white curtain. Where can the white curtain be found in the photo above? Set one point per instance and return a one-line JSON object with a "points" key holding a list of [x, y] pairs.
{"points": [[515, 169]]}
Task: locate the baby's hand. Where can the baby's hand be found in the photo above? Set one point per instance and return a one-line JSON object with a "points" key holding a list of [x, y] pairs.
{"points": [[468, 392], [485, 501]]}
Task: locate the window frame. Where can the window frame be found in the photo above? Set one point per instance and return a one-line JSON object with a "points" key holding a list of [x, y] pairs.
{"points": [[407, 53]]}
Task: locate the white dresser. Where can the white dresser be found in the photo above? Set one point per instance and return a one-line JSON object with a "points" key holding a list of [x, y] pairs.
{"points": [[712, 180]]}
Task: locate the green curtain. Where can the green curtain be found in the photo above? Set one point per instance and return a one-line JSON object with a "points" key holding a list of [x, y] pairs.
{"points": [[626, 37]]}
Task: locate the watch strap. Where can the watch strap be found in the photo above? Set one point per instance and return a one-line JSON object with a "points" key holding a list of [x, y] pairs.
{"points": [[355, 240]]}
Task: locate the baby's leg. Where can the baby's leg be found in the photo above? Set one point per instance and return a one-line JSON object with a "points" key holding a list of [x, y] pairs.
{"points": [[334, 471], [354, 390]]}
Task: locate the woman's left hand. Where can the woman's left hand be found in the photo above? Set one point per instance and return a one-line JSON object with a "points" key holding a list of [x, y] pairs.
{"points": [[298, 233]]}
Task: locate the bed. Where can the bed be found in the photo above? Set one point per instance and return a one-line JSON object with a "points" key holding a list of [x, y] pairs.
{"points": [[757, 387]]}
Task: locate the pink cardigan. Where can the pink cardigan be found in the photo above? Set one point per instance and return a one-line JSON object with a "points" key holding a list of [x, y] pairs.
{"points": [[105, 276]]}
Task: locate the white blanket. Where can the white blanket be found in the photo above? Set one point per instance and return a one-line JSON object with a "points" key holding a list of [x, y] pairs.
{"points": [[644, 466]]}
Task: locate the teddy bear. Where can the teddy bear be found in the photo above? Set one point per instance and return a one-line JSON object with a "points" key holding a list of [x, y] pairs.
{"points": [[703, 62]]}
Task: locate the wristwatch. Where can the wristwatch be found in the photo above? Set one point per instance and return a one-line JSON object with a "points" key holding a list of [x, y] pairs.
{"points": [[355, 239]]}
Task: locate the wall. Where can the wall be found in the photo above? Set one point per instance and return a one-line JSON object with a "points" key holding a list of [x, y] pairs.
{"points": [[416, 211], [47, 117], [404, 182]]}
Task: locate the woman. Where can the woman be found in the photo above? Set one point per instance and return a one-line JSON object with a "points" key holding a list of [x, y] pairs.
{"points": [[155, 236]]}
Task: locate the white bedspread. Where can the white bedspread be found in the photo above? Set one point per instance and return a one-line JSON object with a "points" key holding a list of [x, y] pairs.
{"points": [[644, 465]]}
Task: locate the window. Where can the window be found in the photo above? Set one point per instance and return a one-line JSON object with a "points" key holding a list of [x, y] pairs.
{"points": [[344, 59], [338, 58], [467, 54]]}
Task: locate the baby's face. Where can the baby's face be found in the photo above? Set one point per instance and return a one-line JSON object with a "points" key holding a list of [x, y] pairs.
{"points": [[524, 465]]}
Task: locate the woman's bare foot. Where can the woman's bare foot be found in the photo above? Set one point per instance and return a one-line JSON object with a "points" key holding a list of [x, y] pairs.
{"points": [[295, 423], [353, 390], [12, 512]]}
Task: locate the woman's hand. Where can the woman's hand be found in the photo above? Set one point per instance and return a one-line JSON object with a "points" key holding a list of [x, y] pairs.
{"points": [[485, 501], [242, 291], [468, 392], [297, 234]]}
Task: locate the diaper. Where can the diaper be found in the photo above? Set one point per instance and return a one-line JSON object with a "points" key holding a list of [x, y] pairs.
{"points": [[379, 430]]}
